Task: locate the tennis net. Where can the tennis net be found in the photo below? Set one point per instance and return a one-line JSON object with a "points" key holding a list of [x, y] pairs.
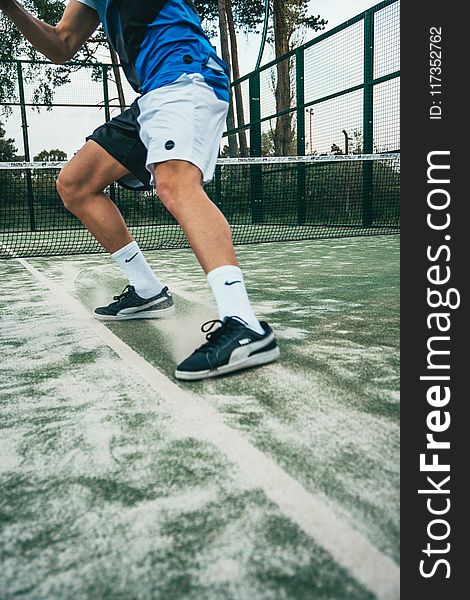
{"points": [[265, 199]]}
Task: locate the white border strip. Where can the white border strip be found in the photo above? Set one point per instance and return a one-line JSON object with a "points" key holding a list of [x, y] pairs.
{"points": [[347, 547], [254, 160], [32, 165], [327, 158]]}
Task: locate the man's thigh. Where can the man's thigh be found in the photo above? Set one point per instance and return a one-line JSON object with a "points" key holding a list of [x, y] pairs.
{"points": [[120, 138], [177, 174], [92, 169]]}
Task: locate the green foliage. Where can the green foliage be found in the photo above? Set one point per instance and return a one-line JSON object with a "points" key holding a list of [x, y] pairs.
{"points": [[334, 194], [8, 150], [355, 142], [291, 21], [248, 14], [54, 155], [44, 78], [334, 197], [335, 149], [267, 144]]}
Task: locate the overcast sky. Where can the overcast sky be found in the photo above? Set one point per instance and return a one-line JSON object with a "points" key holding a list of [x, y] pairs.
{"points": [[333, 11], [65, 128]]}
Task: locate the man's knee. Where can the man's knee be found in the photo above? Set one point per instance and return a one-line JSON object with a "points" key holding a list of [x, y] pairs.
{"points": [[169, 194], [71, 190], [177, 186]]}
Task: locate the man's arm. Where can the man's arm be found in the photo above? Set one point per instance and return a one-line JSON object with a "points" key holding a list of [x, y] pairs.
{"points": [[59, 43]]}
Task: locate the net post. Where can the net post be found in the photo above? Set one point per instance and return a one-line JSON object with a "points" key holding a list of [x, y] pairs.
{"points": [[256, 174], [107, 110], [300, 100], [368, 119], [107, 114], [27, 153], [218, 185]]}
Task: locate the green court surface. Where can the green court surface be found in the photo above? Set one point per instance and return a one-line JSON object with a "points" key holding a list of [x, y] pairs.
{"points": [[119, 483]]}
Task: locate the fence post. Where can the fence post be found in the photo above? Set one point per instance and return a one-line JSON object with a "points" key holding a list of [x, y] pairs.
{"points": [[300, 99], [368, 120], [256, 174], [27, 153], [107, 110], [218, 185], [107, 114]]}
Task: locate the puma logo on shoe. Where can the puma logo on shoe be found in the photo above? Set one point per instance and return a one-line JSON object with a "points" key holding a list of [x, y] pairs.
{"points": [[131, 258], [232, 282], [229, 348]]}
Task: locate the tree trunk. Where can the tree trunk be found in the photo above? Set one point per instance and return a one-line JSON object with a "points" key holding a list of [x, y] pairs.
{"points": [[224, 43], [118, 79], [236, 75], [283, 133]]}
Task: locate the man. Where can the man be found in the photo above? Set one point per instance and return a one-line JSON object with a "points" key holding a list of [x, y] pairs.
{"points": [[170, 136]]}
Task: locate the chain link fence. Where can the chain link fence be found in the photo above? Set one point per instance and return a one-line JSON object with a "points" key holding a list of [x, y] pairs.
{"points": [[337, 94]]}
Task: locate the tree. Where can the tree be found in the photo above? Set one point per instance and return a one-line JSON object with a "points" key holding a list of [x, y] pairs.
{"points": [[335, 149], [44, 78], [7, 147], [267, 143], [290, 23], [236, 75], [355, 143], [232, 15], [247, 14], [224, 45], [228, 23], [7, 154], [54, 155]]}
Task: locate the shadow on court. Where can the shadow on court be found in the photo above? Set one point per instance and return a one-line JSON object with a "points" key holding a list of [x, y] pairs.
{"points": [[119, 483]]}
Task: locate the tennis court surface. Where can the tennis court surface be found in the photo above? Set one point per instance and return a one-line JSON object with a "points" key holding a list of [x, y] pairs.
{"points": [[280, 482]]}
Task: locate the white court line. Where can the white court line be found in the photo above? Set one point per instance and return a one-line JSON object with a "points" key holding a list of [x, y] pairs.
{"points": [[196, 418]]}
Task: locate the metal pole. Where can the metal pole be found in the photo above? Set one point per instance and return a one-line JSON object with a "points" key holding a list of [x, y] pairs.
{"points": [[368, 106], [346, 141], [311, 113], [256, 174], [300, 99], [255, 114], [264, 35], [368, 124], [218, 185], [107, 115], [27, 154], [107, 110]]}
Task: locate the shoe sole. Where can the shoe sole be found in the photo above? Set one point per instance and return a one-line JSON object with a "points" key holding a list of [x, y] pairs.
{"points": [[149, 314], [256, 360]]}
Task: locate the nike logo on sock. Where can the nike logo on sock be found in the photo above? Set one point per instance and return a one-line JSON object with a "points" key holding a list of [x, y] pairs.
{"points": [[232, 282], [131, 258]]}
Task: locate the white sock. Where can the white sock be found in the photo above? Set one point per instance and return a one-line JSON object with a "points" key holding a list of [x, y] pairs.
{"points": [[230, 294], [138, 271]]}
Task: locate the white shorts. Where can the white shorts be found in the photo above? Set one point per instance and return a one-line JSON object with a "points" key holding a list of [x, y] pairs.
{"points": [[183, 121]]}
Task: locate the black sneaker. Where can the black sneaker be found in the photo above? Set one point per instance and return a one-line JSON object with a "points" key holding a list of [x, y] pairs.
{"points": [[231, 347], [129, 305]]}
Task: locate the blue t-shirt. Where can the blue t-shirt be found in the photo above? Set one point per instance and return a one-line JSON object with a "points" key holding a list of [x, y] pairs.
{"points": [[159, 40]]}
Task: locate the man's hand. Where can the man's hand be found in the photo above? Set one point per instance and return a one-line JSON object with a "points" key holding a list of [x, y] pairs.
{"points": [[60, 43]]}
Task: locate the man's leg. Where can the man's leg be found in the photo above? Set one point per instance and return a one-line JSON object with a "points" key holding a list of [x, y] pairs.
{"points": [[179, 187], [80, 185], [242, 341]]}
